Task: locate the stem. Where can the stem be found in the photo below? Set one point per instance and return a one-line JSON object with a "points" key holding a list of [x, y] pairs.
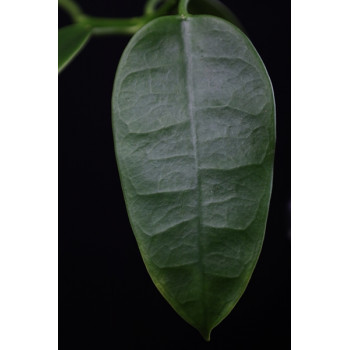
{"points": [[108, 26], [150, 7], [72, 9], [123, 26], [183, 8]]}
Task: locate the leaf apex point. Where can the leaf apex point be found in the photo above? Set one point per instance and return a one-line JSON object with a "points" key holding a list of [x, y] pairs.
{"points": [[205, 334]]}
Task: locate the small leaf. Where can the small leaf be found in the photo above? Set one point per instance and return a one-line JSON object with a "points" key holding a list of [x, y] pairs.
{"points": [[71, 40], [194, 130]]}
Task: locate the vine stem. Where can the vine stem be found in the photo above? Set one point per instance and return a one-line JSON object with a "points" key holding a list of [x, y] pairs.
{"points": [[122, 26], [72, 8], [150, 6], [183, 8]]}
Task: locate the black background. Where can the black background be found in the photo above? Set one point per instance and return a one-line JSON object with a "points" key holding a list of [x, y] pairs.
{"points": [[106, 298]]}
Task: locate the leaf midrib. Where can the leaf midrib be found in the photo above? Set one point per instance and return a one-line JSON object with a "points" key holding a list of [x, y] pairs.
{"points": [[187, 51]]}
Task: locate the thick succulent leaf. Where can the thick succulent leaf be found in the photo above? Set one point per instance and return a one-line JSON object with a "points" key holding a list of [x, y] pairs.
{"points": [[193, 122], [71, 40]]}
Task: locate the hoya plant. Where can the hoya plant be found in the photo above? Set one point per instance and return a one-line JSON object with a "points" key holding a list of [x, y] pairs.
{"points": [[193, 119]]}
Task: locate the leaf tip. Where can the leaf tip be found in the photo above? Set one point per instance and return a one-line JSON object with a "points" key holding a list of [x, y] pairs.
{"points": [[205, 334]]}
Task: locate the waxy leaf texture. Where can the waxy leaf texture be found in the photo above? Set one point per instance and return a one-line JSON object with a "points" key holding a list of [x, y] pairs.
{"points": [[194, 129]]}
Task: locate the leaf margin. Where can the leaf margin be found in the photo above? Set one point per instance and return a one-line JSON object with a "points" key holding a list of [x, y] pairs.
{"points": [[84, 32]]}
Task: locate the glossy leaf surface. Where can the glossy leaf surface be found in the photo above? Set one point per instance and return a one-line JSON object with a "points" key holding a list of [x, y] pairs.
{"points": [[71, 40], [193, 123]]}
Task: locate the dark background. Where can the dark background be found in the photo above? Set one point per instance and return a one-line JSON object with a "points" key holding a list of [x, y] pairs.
{"points": [[106, 298]]}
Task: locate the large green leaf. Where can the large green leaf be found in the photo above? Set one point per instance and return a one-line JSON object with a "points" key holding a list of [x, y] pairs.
{"points": [[194, 129], [71, 40]]}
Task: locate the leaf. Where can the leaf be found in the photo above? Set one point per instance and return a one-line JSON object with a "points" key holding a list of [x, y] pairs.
{"points": [[71, 40], [193, 122]]}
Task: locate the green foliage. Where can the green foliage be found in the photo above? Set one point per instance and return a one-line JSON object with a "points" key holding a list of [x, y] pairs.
{"points": [[71, 40], [194, 129], [193, 119]]}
